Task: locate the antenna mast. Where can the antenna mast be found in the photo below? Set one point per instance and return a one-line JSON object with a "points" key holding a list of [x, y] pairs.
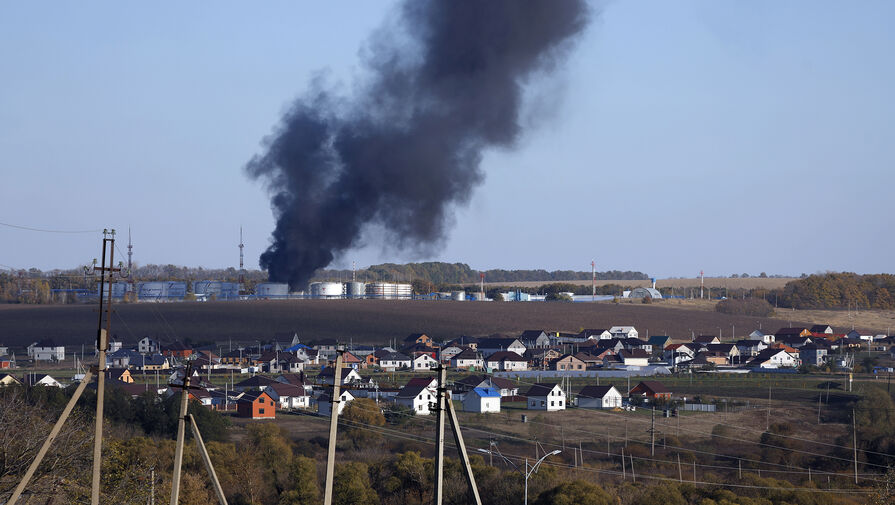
{"points": [[701, 283], [242, 272], [130, 250], [593, 287]]}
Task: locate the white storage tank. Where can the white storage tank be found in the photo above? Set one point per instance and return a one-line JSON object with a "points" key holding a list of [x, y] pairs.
{"points": [[272, 290], [458, 296], [219, 289], [161, 290], [355, 289], [389, 291], [326, 290]]}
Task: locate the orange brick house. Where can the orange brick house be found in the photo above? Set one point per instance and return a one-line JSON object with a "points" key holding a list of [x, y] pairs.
{"points": [[256, 405]]}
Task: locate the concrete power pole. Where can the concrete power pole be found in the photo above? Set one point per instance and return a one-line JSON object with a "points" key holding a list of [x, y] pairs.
{"points": [[439, 437], [333, 426]]}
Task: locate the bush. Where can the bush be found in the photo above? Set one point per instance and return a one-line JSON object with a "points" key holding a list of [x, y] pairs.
{"points": [[750, 307]]}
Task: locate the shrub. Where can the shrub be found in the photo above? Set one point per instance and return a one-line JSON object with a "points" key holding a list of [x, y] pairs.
{"points": [[750, 307]]}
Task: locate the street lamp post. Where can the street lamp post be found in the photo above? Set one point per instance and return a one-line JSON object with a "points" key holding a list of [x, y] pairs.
{"points": [[529, 469]]}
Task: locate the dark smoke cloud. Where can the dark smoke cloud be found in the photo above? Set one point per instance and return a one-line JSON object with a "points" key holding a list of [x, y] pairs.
{"points": [[445, 83]]}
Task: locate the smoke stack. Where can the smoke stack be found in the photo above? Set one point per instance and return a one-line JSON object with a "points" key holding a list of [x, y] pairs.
{"points": [[445, 85]]}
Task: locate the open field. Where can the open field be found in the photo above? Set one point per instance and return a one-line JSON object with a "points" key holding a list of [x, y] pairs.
{"points": [[362, 321], [710, 282]]}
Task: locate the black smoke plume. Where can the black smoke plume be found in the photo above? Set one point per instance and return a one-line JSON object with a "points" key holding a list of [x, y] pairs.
{"points": [[445, 82]]}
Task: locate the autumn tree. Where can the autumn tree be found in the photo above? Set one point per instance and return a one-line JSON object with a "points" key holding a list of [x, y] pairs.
{"points": [[352, 485]]}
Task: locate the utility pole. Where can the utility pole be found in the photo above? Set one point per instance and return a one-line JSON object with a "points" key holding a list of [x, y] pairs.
{"points": [[854, 431], [333, 425], [652, 433], [181, 432], [461, 448], [102, 345], [768, 418], [439, 437]]}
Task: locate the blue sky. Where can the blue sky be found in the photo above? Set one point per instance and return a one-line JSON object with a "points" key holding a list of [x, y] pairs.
{"points": [[725, 136]]}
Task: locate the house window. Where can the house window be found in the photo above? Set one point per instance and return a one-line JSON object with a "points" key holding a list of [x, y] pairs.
{"points": [[543, 403], [551, 403], [560, 403], [419, 407], [261, 411]]}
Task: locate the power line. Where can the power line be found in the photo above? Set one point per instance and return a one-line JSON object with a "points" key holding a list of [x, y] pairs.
{"points": [[41, 230]]}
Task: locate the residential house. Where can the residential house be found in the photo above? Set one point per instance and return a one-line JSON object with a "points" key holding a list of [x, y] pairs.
{"points": [[623, 332], [636, 343], [676, 353], [653, 390], [765, 338], [417, 397], [568, 362], [424, 362], [9, 380], [594, 334], [730, 351], [505, 386], [506, 361], [634, 357], [325, 403], [151, 363], [812, 354], [296, 379], [482, 400], [46, 350], [288, 396], [599, 397], [7, 362], [4, 350], [795, 341], [147, 345], [256, 405], [490, 345], [350, 360], [773, 358], [392, 361], [468, 359], [464, 342], [658, 343], [308, 355], [545, 396], [541, 357], [327, 350], [415, 350], [792, 332], [750, 348], [177, 350], [449, 352], [419, 338], [41, 379], [534, 338], [119, 374], [706, 340], [256, 383], [348, 376], [235, 358], [821, 328]]}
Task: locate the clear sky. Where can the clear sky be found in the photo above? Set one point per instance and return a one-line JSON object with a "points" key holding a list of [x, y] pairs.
{"points": [[725, 136]]}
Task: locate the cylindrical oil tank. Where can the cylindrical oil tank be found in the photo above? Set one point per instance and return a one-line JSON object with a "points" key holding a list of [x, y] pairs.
{"points": [[403, 291], [326, 289], [355, 289], [156, 290], [272, 289], [219, 289], [389, 290], [458, 296]]}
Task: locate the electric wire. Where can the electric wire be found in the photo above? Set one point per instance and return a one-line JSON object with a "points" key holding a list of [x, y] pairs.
{"points": [[41, 230]]}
